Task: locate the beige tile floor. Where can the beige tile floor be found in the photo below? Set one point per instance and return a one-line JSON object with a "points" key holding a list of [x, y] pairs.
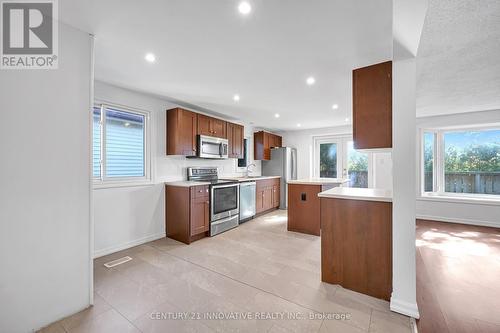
{"points": [[258, 268]]}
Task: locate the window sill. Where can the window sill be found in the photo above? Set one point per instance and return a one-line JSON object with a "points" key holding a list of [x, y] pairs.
{"points": [[478, 200], [108, 185]]}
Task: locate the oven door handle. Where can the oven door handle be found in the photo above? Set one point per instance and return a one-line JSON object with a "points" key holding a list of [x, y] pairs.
{"points": [[227, 185]]}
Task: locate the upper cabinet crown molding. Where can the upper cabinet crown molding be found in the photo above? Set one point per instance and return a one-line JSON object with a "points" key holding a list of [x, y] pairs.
{"points": [[372, 106], [263, 142]]}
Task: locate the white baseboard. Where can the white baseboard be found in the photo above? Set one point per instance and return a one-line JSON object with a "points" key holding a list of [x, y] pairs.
{"points": [[408, 309], [459, 220], [127, 245]]}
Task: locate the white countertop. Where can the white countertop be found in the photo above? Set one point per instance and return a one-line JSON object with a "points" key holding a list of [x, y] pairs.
{"points": [[319, 181], [186, 183], [251, 178], [351, 193]]}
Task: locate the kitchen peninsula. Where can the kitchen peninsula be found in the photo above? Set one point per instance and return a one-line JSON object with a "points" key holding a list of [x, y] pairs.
{"points": [[356, 239], [304, 204]]}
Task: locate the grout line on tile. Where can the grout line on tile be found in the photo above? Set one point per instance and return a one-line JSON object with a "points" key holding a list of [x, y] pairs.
{"points": [[118, 311], [244, 283], [370, 323]]}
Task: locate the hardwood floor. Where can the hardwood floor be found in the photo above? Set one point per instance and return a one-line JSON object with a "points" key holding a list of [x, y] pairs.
{"points": [[458, 277]]}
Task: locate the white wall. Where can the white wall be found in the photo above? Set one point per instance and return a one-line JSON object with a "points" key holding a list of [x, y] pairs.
{"points": [[45, 190], [463, 212], [303, 140], [129, 216]]}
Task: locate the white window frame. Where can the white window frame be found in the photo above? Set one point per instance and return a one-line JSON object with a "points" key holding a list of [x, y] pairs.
{"points": [[342, 158], [106, 182], [439, 192]]}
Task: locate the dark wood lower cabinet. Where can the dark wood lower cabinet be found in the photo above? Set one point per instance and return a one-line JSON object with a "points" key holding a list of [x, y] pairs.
{"points": [[267, 195], [304, 208], [200, 217], [187, 212], [356, 245]]}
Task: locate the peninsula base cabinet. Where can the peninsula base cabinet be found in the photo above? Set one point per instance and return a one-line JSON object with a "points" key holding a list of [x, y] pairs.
{"points": [[356, 245], [187, 215], [267, 195], [304, 209]]}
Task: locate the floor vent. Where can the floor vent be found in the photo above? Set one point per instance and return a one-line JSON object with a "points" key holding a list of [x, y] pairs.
{"points": [[117, 262]]}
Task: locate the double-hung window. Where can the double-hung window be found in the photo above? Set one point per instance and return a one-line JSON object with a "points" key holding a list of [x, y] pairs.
{"points": [[335, 157], [121, 151], [461, 162]]}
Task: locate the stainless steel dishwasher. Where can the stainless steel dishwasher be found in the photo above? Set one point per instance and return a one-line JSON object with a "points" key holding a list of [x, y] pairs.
{"points": [[247, 201]]}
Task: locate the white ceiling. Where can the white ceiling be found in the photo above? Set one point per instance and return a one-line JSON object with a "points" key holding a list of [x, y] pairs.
{"points": [[206, 52], [458, 61]]}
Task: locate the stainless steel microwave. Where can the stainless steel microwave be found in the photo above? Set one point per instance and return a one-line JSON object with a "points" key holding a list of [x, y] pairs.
{"points": [[210, 147]]}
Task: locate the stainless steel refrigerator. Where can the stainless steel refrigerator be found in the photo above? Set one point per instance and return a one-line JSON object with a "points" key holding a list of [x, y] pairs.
{"points": [[283, 163]]}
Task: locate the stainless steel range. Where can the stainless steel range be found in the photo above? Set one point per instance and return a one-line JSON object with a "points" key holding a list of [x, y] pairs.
{"points": [[224, 199]]}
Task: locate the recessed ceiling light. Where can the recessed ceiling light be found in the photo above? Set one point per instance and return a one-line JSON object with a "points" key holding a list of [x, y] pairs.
{"points": [[236, 98], [298, 125], [150, 57], [244, 8], [310, 81], [335, 106], [127, 124], [346, 120], [277, 115]]}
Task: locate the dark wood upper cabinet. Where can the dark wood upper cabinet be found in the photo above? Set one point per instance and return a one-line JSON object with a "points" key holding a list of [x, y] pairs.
{"points": [[204, 127], [263, 141], [372, 106], [235, 136], [181, 132], [183, 126], [211, 126], [219, 128]]}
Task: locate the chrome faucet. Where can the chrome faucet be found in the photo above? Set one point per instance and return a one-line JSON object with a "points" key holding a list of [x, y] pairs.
{"points": [[248, 168]]}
